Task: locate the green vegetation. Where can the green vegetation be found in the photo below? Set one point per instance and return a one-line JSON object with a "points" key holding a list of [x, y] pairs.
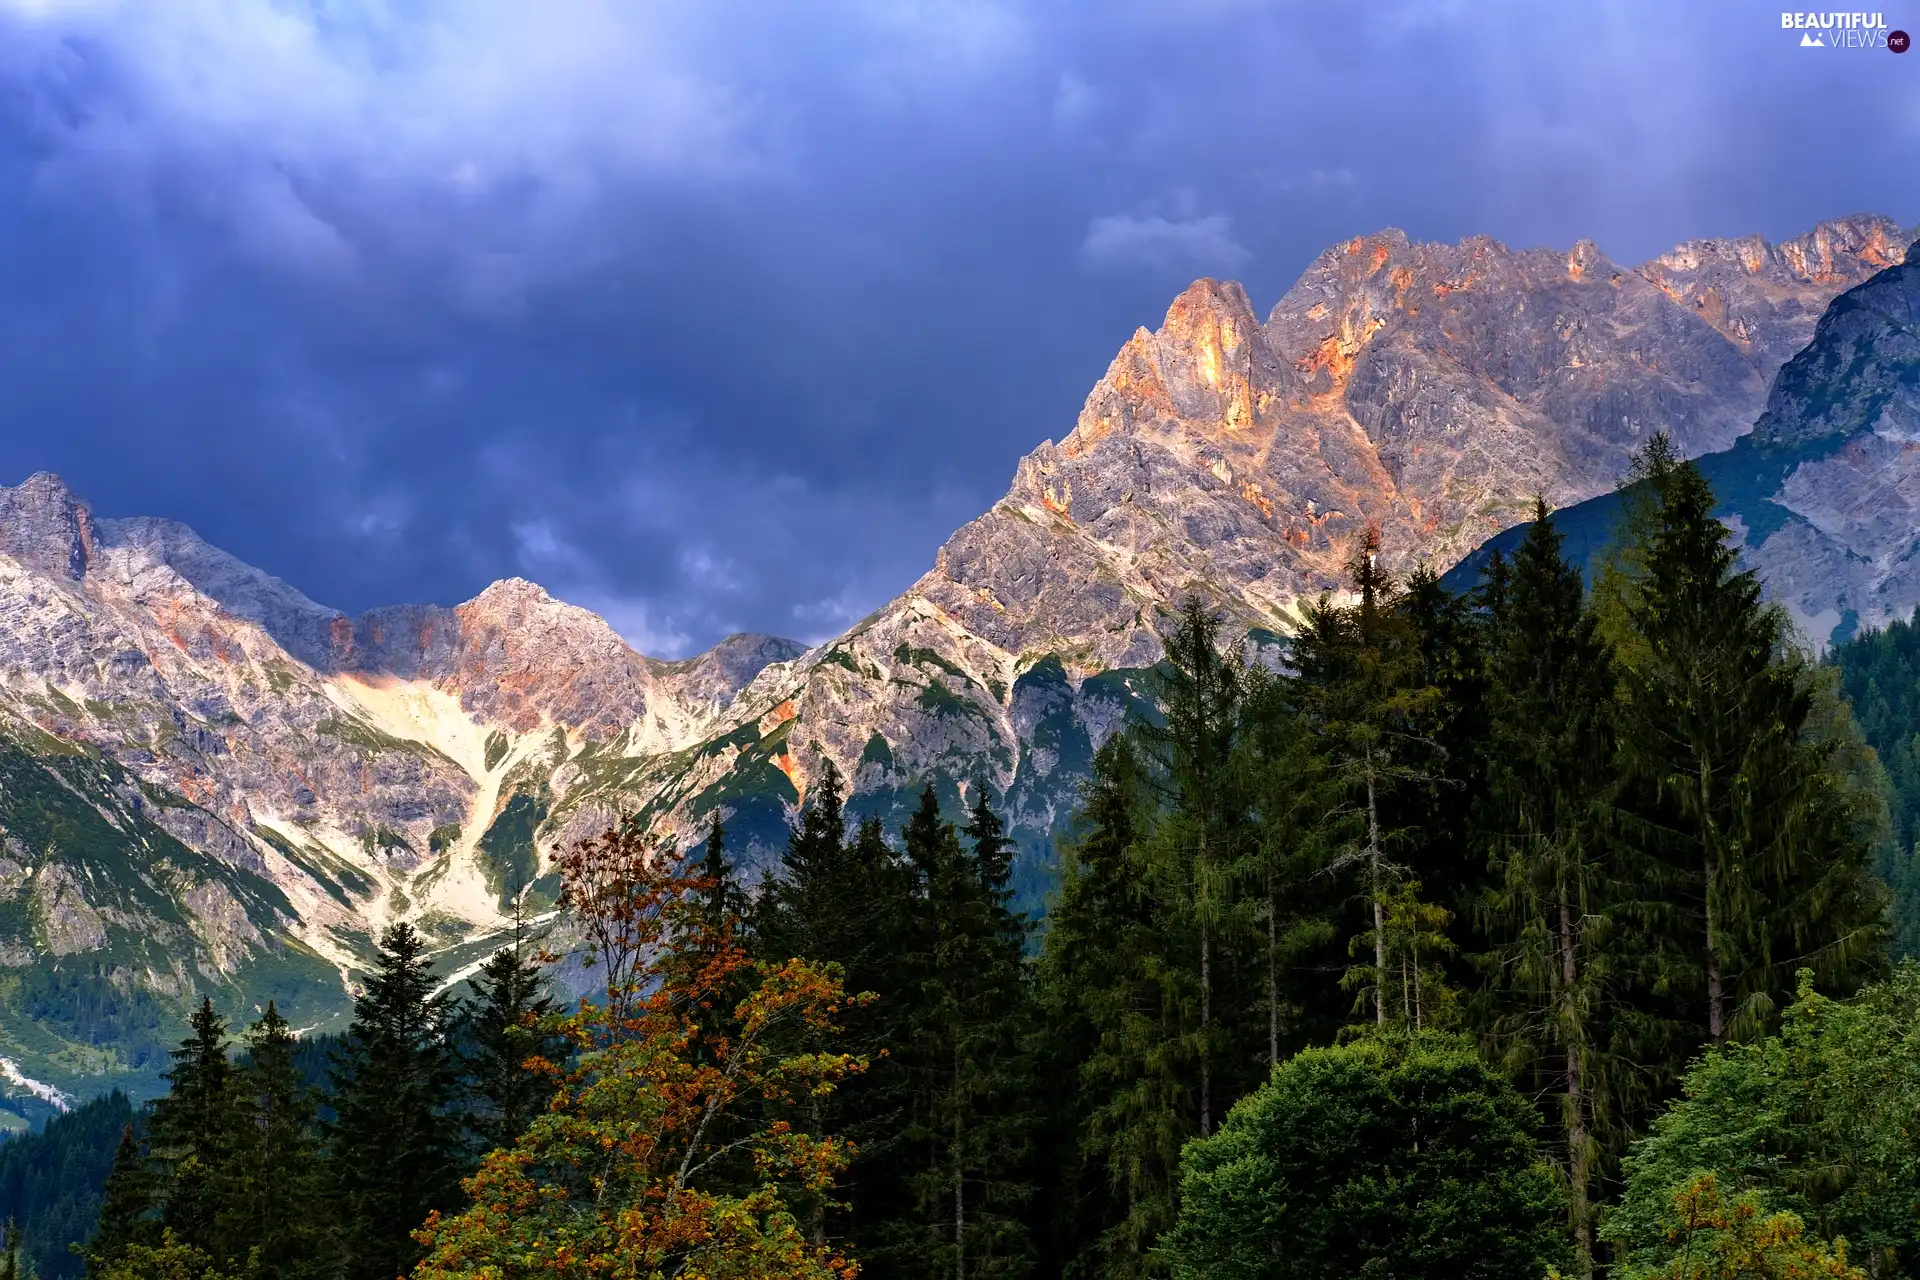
{"points": [[1381, 1157], [497, 748], [1880, 675], [50, 1182], [506, 852], [1480, 938]]}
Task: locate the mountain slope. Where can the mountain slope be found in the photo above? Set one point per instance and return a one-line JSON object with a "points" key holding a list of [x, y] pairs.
{"points": [[277, 779], [1825, 493]]}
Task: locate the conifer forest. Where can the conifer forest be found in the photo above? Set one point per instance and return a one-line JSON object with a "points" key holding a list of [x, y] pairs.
{"points": [[1552, 928]]}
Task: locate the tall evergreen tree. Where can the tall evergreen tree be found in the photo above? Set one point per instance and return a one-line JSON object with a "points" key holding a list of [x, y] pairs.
{"points": [[1767, 842], [1294, 906], [851, 904], [965, 1047], [275, 1217], [394, 1142], [1204, 838], [1116, 1160], [507, 1026], [1548, 818], [193, 1134], [126, 1208], [1361, 681]]}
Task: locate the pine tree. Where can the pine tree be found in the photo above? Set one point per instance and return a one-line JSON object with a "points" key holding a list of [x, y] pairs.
{"points": [[394, 1142], [1766, 840], [1548, 820], [808, 910], [1203, 838], [272, 1220], [126, 1208], [1294, 907], [1090, 989], [850, 904], [1361, 684], [1118, 990], [507, 1027], [964, 1049], [193, 1134], [10, 1252]]}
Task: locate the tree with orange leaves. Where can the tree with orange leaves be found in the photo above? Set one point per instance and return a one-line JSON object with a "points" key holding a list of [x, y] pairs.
{"points": [[670, 1148]]}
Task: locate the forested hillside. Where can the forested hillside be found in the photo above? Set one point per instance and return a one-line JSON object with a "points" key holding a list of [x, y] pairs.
{"points": [[1486, 934], [1880, 674]]}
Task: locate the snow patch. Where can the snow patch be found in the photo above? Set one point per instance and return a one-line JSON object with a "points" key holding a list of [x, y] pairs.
{"points": [[45, 1092]]}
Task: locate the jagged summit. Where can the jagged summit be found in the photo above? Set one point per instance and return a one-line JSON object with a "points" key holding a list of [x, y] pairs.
{"points": [[43, 525]]}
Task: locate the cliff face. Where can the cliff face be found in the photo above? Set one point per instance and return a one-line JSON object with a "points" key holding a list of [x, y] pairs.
{"points": [[1431, 390], [1824, 495], [1838, 540], [280, 779]]}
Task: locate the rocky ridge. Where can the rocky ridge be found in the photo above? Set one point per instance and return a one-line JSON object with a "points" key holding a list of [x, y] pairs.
{"points": [[1824, 495], [293, 777]]}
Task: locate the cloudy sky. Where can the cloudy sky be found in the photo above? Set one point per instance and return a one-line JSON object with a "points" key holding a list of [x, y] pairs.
{"points": [[719, 316]]}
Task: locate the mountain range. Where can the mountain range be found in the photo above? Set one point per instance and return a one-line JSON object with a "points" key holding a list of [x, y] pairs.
{"points": [[209, 782]]}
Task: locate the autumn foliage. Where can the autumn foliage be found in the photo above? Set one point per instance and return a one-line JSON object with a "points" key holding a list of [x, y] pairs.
{"points": [[670, 1148]]}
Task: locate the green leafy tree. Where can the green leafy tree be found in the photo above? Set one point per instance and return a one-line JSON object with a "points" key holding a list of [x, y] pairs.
{"points": [[394, 1145], [1387, 1156], [1766, 839], [1821, 1119], [168, 1258], [1707, 1237]]}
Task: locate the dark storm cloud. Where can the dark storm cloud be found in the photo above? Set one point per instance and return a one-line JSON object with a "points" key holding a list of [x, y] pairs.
{"points": [[723, 316]]}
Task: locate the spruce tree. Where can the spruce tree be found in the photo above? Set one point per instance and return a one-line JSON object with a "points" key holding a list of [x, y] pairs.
{"points": [[851, 904], [1203, 839], [809, 909], [506, 1027], [1766, 840], [193, 1135], [1118, 986], [1294, 907], [10, 1251], [126, 1208], [965, 1044], [1093, 989], [276, 1210], [1548, 822], [394, 1143], [1361, 682]]}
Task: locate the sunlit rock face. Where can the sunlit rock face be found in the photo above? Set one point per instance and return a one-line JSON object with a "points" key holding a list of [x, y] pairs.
{"points": [[1430, 390], [263, 782], [1823, 496]]}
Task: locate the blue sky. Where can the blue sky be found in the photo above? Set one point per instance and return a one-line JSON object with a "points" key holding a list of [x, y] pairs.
{"points": [[721, 316]]}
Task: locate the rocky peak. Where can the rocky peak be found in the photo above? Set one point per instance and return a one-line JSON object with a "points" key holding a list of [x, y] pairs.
{"points": [[1206, 373], [717, 676], [1861, 373], [44, 526]]}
